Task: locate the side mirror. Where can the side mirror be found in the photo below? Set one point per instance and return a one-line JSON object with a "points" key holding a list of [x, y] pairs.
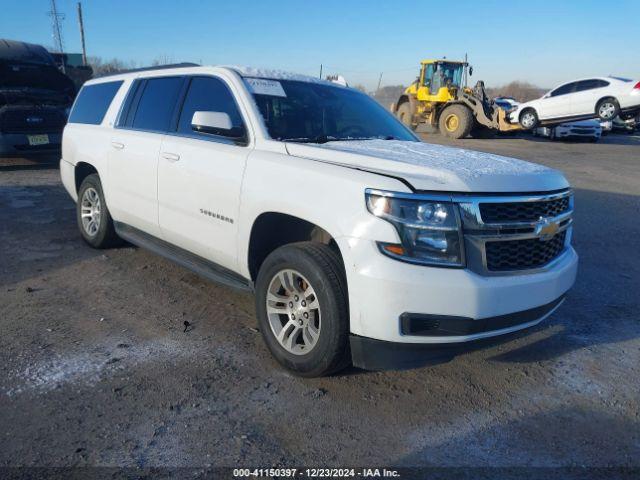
{"points": [[211, 122]]}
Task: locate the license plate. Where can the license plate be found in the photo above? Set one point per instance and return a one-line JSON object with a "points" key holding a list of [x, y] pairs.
{"points": [[38, 139]]}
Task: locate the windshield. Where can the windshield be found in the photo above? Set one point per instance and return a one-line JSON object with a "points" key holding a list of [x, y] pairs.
{"points": [[451, 73], [313, 112]]}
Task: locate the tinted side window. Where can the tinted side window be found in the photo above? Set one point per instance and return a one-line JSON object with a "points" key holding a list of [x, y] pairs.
{"points": [[158, 100], [209, 94], [93, 102], [563, 90], [590, 84]]}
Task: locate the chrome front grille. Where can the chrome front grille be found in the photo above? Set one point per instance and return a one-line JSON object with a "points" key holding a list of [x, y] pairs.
{"points": [[523, 211], [505, 235]]}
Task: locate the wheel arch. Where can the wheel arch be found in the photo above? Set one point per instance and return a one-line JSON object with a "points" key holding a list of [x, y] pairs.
{"points": [[527, 109], [271, 230], [605, 97], [81, 171]]}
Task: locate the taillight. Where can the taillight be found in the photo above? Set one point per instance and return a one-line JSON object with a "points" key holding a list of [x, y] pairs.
{"points": [[637, 85]]}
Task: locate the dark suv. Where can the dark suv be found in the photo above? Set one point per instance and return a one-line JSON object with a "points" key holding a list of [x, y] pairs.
{"points": [[35, 98]]}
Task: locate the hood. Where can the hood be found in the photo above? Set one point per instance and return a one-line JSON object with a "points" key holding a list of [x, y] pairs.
{"points": [[435, 167]]}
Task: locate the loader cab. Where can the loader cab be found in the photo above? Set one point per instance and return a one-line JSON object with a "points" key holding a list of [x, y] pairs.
{"points": [[439, 80]]}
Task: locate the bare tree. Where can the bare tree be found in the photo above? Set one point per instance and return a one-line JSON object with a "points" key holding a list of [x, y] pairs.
{"points": [[101, 67], [521, 91], [163, 59]]}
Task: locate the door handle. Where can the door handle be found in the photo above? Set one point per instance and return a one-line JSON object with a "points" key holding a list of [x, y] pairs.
{"points": [[117, 145], [172, 157]]}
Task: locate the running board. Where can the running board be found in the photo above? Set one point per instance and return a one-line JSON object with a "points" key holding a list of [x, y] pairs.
{"points": [[201, 266]]}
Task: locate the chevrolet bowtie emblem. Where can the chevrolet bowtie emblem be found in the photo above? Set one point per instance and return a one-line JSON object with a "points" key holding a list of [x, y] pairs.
{"points": [[546, 228]]}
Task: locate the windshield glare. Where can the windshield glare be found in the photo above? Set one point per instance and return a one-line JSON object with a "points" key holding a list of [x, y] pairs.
{"points": [[315, 112]]}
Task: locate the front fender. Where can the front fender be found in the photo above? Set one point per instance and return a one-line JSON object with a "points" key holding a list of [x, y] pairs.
{"points": [[327, 195]]}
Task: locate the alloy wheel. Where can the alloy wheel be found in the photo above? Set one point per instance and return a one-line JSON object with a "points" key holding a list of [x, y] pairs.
{"points": [[293, 311], [607, 110], [90, 211]]}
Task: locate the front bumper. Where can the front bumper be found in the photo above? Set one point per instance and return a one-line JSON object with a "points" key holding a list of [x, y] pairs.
{"points": [[573, 133], [371, 354], [381, 290]]}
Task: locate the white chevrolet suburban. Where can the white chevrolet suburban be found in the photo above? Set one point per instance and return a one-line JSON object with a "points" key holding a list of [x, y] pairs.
{"points": [[362, 244]]}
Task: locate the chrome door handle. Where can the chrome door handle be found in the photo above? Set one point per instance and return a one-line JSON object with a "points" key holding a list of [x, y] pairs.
{"points": [[172, 157], [117, 145]]}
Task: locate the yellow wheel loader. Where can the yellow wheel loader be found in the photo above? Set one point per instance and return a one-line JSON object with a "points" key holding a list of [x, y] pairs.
{"points": [[438, 99]]}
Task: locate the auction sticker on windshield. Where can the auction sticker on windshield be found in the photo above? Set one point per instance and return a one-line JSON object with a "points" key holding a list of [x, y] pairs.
{"points": [[261, 86], [38, 139]]}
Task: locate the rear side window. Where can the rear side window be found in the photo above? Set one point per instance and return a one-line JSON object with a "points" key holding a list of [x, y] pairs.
{"points": [[158, 100], [212, 95], [93, 102], [564, 89], [590, 84]]}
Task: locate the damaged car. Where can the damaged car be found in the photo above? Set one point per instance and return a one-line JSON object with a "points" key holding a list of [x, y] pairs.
{"points": [[35, 99]]}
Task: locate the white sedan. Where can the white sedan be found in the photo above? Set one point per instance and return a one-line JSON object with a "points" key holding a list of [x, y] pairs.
{"points": [[598, 97], [590, 130]]}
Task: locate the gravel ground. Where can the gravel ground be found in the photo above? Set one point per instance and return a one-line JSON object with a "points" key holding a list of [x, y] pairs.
{"points": [[96, 369]]}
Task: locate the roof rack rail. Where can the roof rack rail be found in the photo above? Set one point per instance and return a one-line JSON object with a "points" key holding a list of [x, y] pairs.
{"points": [[159, 67]]}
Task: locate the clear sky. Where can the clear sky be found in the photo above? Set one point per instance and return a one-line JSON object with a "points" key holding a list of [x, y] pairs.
{"points": [[544, 42]]}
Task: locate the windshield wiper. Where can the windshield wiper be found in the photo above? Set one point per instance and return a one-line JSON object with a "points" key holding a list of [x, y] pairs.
{"points": [[318, 139], [331, 138]]}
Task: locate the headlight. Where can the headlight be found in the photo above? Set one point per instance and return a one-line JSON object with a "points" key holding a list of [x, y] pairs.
{"points": [[429, 229]]}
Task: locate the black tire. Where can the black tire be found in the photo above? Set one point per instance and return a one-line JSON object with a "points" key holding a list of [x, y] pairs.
{"points": [[405, 115], [525, 115], [607, 109], [105, 236], [456, 121], [323, 269]]}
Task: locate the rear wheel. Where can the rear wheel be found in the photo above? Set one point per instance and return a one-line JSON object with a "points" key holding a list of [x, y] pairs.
{"points": [[302, 309], [607, 109], [456, 121], [94, 220], [529, 119], [405, 115]]}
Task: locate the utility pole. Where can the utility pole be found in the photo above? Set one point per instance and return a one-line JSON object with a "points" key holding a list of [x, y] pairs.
{"points": [[320, 72], [56, 18], [81, 23], [379, 82]]}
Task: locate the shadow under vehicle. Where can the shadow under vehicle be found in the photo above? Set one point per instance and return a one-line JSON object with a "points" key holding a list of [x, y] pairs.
{"points": [[35, 99]]}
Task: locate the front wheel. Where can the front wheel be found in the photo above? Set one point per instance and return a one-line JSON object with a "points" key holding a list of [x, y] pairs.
{"points": [[302, 308], [529, 119], [456, 121]]}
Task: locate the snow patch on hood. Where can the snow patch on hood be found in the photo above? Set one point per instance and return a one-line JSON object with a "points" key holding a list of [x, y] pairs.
{"points": [[465, 164], [434, 167]]}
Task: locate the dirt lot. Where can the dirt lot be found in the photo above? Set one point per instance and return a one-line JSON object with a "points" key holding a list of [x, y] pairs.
{"points": [[95, 368]]}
